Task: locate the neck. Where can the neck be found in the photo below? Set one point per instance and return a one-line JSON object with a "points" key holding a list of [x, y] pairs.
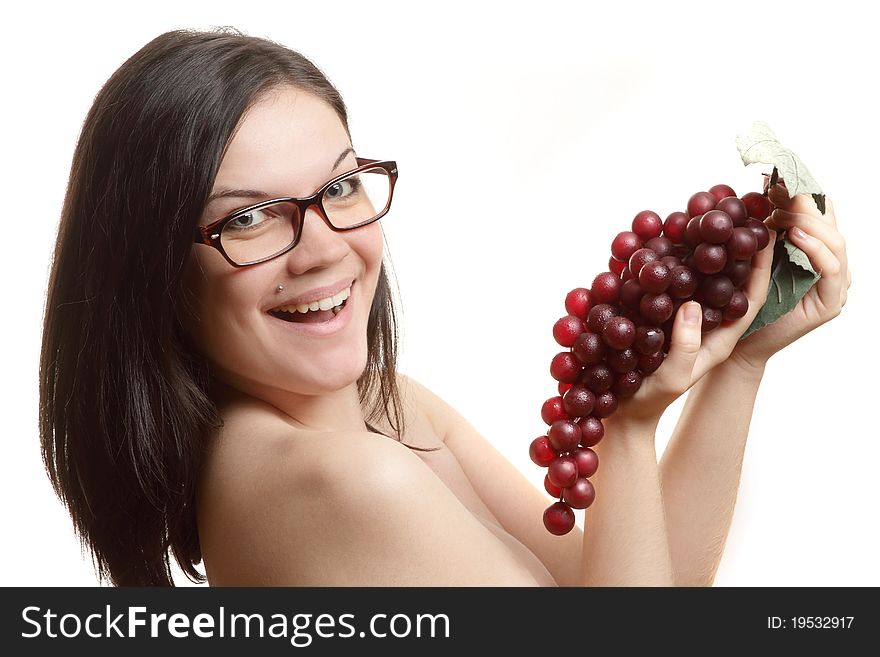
{"points": [[336, 410]]}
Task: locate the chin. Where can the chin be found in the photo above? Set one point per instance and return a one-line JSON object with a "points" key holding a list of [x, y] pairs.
{"points": [[322, 377]]}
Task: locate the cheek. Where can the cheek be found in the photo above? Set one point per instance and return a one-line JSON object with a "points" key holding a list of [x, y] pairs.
{"points": [[210, 293]]}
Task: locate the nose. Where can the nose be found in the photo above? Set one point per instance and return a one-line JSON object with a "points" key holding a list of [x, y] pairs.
{"points": [[319, 245]]}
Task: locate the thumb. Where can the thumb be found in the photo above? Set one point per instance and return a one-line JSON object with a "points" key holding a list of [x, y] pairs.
{"points": [[684, 346]]}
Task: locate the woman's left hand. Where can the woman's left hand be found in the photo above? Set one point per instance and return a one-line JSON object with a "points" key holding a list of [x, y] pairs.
{"points": [[817, 236]]}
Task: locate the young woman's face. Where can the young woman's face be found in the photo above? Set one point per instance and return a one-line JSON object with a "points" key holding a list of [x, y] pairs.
{"points": [[288, 144]]}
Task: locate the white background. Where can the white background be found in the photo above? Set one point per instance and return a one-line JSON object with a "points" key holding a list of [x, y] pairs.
{"points": [[527, 136]]}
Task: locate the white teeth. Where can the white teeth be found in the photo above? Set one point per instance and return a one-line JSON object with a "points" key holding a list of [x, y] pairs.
{"points": [[321, 304]]}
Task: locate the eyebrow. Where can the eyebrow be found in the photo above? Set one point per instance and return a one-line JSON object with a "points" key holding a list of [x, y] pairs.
{"points": [[254, 193]]}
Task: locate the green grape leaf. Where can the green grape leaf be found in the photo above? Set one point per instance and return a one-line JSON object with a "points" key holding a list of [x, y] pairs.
{"points": [[759, 144]]}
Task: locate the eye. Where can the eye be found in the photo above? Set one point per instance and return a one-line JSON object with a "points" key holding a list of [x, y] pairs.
{"points": [[247, 220], [343, 188]]}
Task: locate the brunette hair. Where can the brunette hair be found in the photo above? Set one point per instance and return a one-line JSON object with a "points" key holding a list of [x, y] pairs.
{"points": [[124, 406]]}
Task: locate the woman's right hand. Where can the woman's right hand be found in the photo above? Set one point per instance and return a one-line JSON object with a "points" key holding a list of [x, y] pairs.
{"points": [[693, 353]]}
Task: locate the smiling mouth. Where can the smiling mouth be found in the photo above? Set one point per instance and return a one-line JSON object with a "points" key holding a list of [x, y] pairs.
{"points": [[309, 317]]}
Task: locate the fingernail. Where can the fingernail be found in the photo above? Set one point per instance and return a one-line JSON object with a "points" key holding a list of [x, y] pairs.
{"points": [[797, 232], [692, 312]]}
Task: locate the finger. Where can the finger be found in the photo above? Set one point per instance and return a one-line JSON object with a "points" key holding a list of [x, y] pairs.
{"points": [[759, 280], [825, 263], [813, 225], [778, 196], [816, 228], [678, 366]]}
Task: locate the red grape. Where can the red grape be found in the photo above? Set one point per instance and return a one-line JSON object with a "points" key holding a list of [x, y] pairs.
{"points": [[562, 471], [558, 518], [647, 224], [716, 227], [588, 348], [598, 378], [625, 244], [735, 209], [721, 191], [552, 410], [649, 363], [599, 316], [674, 226], [567, 328], [649, 340], [626, 384], [711, 319], [587, 461], [710, 258], [738, 306], [541, 451], [656, 308], [592, 431], [622, 360], [631, 293], [616, 267], [606, 404], [757, 204], [738, 271], [579, 401], [671, 261], [639, 259], [717, 290], [564, 435], [742, 244], [578, 302], [692, 235], [760, 231], [619, 333], [552, 488], [682, 282], [662, 246], [655, 277], [565, 367], [700, 203], [580, 494], [606, 287]]}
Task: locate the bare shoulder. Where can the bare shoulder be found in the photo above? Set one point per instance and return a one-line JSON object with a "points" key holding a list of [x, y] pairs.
{"points": [[291, 508]]}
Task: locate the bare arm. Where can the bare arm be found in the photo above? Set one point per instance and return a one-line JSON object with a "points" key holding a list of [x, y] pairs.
{"points": [[700, 469], [625, 536]]}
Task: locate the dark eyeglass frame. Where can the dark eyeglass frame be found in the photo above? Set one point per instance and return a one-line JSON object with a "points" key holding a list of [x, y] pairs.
{"points": [[210, 234]]}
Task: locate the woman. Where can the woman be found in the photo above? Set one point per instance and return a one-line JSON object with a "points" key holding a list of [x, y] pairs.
{"points": [[231, 394]]}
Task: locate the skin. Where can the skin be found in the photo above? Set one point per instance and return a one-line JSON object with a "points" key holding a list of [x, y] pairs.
{"points": [[296, 491]]}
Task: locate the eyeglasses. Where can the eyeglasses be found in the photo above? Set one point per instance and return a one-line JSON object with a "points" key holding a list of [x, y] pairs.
{"points": [[271, 228]]}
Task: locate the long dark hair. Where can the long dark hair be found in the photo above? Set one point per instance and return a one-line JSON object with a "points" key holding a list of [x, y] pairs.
{"points": [[124, 405]]}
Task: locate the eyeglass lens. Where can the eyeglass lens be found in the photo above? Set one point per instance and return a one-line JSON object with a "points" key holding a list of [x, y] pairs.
{"points": [[269, 230]]}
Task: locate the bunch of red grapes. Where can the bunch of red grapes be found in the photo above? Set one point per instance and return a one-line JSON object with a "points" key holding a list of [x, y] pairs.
{"points": [[618, 331]]}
